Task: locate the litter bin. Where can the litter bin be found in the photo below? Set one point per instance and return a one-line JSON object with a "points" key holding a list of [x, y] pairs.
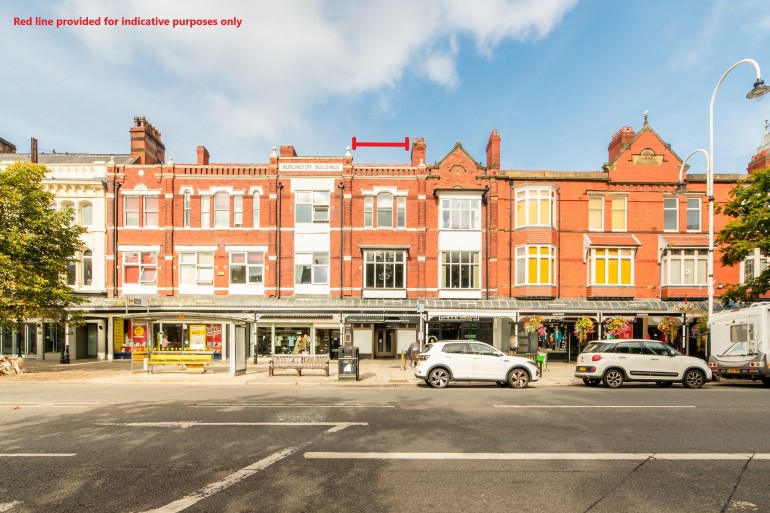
{"points": [[347, 364]]}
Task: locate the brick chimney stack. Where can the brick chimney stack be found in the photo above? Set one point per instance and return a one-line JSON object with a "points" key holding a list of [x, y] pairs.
{"points": [[288, 151], [493, 150], [619, 140], [203, 156], [762, 159], [419, 149], [146, 147]]}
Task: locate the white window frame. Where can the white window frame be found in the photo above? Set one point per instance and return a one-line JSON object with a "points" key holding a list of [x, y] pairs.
{"points": [[317, 201], [247, 266], [523, 199], [237, 211], [84, 207], [372, 265], [384, 211], [187, 209], [141, 267], [146, 212], [523, 257], [623, 254], [675, 209], [625, 213], [696, 263], [473, 269], [84, 280], [137, 211], [314, 267], [202, 269], [205, 211], [222, 208], [600, 199], [756, 262], [255, 210], [368, 211], [460, 214], [700, 214]]}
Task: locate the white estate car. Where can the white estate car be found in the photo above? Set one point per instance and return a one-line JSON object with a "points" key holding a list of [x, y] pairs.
{"points": [[616, 361], [469, 360]]}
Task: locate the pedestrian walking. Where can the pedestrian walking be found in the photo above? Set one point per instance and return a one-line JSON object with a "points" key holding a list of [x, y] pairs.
{"points": [[412, 352]]}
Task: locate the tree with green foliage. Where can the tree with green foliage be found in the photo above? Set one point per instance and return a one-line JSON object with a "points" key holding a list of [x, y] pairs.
{"points": [[36, 245], [749, 207]]}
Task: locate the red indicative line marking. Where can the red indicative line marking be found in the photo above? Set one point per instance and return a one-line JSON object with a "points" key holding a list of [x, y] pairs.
{"points": [[356, 144]]}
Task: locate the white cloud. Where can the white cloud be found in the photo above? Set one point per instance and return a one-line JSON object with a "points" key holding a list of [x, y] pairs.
{"points": [[260, 80]]}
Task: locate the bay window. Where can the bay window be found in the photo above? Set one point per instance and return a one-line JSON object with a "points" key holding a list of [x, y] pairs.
{"points": [[460, 270], [612, 266]]}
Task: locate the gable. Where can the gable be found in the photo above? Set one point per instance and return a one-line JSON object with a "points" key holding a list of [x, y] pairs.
{"points": [[458, 162], [646, 158]]}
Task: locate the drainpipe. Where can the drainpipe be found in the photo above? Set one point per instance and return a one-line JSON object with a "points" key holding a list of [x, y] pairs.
{"points": [[341, 186], [115, 190], [278, 244], [485, 199], [511, 260]]}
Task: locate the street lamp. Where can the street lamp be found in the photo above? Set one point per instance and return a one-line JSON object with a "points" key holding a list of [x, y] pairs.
{"points": [[759, 90]]}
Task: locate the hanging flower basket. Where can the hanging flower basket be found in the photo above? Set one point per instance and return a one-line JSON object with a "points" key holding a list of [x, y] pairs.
{"points": [[669, 327], [583, 328], [533, 324], [700, 331], [619, 327]]}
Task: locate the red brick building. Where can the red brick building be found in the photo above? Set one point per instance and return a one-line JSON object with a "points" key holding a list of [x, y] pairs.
{"points": [[382, 253]]}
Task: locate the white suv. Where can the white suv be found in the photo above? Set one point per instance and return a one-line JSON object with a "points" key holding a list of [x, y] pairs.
{"points": [[469, 360], [616, 361]]}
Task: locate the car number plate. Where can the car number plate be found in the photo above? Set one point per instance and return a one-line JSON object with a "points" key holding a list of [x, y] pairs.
{"points": [[734, 371], [582, 369]]}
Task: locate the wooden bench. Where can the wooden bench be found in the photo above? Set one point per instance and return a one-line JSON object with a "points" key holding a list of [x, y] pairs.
{"points": [[299, 362], [191, 360]]}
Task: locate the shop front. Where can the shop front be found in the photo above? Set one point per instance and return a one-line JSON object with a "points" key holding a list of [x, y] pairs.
{"points": [[460, 327]]}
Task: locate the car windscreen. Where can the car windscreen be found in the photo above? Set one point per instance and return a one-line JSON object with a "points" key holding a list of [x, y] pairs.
{"points": [[739, 349]]}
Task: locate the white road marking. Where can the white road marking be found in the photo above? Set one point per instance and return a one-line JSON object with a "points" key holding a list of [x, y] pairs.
{"points": [[699, 456], [8, 505], [528, 456], [37, 455], [49, 405], [235, 477], [267, 405], [195, 423], [581, 406]]}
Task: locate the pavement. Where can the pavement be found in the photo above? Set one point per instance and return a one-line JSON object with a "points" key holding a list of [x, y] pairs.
{"points": [[373, 373]]}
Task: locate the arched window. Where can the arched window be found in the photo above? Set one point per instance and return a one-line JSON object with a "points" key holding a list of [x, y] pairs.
{"points": [[68, 205], [87, 267], [86, 214]]}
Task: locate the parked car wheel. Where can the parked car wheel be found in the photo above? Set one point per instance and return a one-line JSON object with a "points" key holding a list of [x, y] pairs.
{"points": [[693, 378], [518, 378], [438, 378], [613, 378], [766, 381], [664, 384], [592, 382]]}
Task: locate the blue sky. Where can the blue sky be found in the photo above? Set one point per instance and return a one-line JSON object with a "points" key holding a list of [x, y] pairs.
{"points": [[557, 78]]}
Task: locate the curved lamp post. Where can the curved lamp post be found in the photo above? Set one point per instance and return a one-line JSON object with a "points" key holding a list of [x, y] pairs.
{"points": [[759, 90]]}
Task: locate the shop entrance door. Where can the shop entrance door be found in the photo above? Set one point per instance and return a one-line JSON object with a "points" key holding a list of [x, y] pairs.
{"points": [[385, 346]]}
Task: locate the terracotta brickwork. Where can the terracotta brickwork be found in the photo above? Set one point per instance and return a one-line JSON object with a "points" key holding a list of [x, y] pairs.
{"points": [[641, 171]]}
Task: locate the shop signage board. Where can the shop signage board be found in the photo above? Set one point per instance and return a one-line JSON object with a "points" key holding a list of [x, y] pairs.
{"points": [[198, 336], [118, 337]]}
